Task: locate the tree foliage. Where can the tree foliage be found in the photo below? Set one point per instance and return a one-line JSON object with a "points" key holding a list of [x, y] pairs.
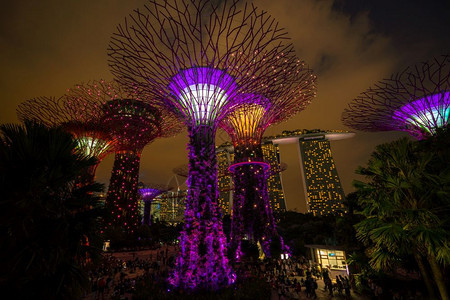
{"points": [[406, 202], [48, 224]]}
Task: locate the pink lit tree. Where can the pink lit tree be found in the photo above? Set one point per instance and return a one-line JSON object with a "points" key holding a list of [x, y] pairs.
{"points": [[416, 100], [196, 58], [246, 124], [134, 124]]}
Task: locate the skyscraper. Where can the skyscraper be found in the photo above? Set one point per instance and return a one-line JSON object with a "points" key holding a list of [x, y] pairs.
{"points": [[271, 154], [324, 193], [225, 158], [224, 179], [170, 206], [323, 190]]}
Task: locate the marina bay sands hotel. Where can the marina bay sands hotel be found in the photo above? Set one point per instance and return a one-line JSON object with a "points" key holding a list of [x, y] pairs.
{"points": [[321, 184], [323, 193]]}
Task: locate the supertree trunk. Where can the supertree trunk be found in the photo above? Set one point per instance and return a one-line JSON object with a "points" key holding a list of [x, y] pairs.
{"points": [[202, 261], [147, 212], [252, 213], [122, 199]]}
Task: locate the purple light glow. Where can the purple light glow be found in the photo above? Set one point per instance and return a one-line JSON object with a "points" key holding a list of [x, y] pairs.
{"points": [[424, 115], [202, 93], [265, 165], [203, 96], [148, 195], [202, 262], [415, 100]]}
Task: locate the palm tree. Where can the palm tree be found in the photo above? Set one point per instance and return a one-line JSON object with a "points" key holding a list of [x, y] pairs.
{"points": [[43, 216], [401, 202]]}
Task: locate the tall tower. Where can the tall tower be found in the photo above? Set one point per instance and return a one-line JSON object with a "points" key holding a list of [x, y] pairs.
{"points": [[148, 194], [134, 124], [323, 190], [271, 154], [225, 157]]}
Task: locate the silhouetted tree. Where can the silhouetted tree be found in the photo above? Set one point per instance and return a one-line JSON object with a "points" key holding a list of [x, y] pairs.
{"points": [[48, 226], [402, 201]]}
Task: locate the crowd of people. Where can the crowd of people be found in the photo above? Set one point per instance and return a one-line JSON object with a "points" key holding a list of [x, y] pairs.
{"points": [[293, 278], [118, 273], [297, 278]]}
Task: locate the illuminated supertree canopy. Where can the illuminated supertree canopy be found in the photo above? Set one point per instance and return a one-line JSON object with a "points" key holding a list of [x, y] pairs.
{"points": [[246, 124], [148, 194], [416, 100], [196, 57], [86, 126], [133, 123]]}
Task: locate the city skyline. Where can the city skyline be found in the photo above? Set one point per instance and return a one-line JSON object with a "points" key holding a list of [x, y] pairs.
{"points": [[349, 45]]}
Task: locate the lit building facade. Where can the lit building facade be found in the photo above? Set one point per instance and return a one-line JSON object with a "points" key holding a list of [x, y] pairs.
{"points": [[225, 158], [323, 190], [224, 179], [332, 257], [271, 153], [169, 207]]}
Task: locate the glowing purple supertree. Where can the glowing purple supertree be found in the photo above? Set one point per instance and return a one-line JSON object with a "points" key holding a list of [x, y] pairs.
{"points": [[91, 135], [134, 124], [148, 194], [416, 100], [195, 57], [246, 124]]}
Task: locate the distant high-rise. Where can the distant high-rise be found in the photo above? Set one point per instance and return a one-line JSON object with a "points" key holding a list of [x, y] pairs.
{"points": [[225, 158], [271, 154], [170, 206], [224, 179], [323, 190], [324, 193]]}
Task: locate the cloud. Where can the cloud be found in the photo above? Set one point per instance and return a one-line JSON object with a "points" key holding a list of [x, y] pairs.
{"points": [[49, 45]]}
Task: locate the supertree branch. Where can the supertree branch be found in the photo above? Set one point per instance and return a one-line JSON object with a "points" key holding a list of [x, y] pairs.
{"points": [[91, 135], [168, 36], [120, 108], [134, 124], [416, 100], [245, 123]]}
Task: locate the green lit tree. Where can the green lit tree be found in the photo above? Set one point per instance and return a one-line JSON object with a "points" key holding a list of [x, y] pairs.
{"points": [[48, 225]]}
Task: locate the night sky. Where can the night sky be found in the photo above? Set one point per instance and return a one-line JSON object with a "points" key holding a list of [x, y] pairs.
{"points": [[47, 46]]}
